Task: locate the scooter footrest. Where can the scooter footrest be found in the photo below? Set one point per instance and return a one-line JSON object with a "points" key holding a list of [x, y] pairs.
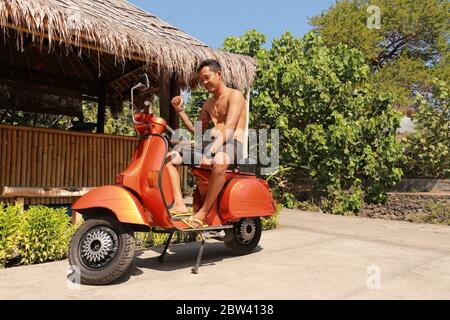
{"points": [[215, 234], [181, 226]]}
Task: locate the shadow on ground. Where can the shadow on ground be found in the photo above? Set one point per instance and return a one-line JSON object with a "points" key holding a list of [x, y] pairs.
{"points": [[180, 256]]}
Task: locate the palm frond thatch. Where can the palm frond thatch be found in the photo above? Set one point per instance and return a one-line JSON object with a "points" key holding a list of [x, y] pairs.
{"points": [[119, 28]]}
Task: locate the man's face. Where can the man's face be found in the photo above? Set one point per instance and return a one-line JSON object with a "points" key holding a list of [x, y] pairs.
{"points": [[210, 80]]}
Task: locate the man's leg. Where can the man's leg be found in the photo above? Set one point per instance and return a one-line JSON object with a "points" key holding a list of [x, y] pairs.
{"points": [[178, 204], [215, 184]]}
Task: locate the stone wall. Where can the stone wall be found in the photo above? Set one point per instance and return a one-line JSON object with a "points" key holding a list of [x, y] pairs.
{"points": [[422, 185], [402, 206]]}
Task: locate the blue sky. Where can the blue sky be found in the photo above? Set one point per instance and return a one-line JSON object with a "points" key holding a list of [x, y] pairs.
{"points": [[211, 21]]}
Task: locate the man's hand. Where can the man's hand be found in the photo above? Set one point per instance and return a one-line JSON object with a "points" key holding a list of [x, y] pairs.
{"points": [[177, 103]]}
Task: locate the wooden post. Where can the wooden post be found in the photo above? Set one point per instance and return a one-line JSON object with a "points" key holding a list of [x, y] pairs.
{"points": [[168, 88], [174, 120], [101, 109], [164, 96], [247, 110], [76, 217]]}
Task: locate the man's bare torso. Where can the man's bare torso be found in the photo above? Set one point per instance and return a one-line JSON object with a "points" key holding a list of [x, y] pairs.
{"points": [[217, 110]]}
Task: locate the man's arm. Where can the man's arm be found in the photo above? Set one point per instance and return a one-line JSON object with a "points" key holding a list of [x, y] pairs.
{"points": [[235, 105], [177, 103], [184, 117], [205, 118]]}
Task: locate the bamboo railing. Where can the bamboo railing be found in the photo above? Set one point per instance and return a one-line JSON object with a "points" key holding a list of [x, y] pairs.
{"points": [[47, 158]]}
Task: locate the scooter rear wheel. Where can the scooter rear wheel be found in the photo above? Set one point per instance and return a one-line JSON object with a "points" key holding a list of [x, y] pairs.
{"points": [[244, 237], [102, 249]]}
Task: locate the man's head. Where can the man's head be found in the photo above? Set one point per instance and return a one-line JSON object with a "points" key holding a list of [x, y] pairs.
{"points": [[210, 75]]}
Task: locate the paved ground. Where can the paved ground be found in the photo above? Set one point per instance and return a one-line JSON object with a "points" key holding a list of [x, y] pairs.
{"points": [[310, 256]]}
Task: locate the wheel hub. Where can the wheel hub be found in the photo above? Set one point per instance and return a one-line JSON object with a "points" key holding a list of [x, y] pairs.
{"points": [[247, 230], [98, 247]]}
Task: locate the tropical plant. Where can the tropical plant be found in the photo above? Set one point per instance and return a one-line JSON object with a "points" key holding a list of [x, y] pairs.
{"points": [[44, 235], [336, 128], [10, 217], [427, 152]]}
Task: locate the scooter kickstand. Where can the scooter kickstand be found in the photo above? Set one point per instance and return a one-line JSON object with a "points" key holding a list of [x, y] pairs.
{"points": [[166, 246], [200, 254]]}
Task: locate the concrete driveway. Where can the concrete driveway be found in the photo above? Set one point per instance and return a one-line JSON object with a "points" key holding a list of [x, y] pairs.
{"points": [[310, 256]]}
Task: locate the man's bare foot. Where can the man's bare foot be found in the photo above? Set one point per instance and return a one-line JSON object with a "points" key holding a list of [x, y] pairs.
{"points": [[180, 209], [200, 216]]}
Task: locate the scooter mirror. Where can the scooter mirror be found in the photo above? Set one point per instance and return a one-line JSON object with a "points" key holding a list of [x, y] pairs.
{"points": [[145, 81]]}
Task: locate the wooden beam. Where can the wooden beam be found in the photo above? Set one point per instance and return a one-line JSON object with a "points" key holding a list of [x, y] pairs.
{"points": [[126, 73], [61, 67], [86, 60], [22, 74], [80, 62], [31, 97], [16, 192], [10, 60]]}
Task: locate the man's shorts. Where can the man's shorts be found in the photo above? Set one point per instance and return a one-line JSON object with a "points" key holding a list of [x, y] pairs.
{"points": [[192, 154]]}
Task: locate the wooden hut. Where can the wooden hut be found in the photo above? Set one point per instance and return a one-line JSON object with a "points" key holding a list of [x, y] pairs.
{"points": [[56, 54]]}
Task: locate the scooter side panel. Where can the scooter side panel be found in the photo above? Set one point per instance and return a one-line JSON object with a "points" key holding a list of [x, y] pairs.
{"points": [[246, 198], [147, 164], [121, 202], [152, 196]]}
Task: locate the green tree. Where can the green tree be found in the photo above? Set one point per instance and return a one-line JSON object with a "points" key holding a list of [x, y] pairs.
{"points": [[335, 127], [427, 152], [249, 44], [405, 53], [120, 124], [115, 124]]}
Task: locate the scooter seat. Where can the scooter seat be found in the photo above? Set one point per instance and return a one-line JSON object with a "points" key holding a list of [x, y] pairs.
{"points": [[248, 166]]}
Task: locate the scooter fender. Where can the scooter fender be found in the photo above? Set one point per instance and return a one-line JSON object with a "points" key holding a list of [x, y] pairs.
{"points": [[246, 198], [119, 201]]}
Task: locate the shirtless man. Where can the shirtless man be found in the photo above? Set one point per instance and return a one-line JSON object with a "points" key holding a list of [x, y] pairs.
{"points": [[226, 109]]}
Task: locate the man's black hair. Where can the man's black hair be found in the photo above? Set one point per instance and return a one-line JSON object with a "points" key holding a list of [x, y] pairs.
{"points": [[213, 65]]}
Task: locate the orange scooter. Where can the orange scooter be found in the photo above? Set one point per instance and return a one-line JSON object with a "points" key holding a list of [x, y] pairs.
{"points": [[103, 247]]}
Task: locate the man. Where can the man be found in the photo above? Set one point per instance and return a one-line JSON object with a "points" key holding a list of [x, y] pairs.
{"points": [[226, 109]]}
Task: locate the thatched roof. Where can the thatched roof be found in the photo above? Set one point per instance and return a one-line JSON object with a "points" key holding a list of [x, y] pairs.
{"points": [[121, 29]]}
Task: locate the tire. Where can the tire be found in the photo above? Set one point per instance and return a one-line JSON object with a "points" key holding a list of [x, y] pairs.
{"points": [[102, 249], [244, 237]]}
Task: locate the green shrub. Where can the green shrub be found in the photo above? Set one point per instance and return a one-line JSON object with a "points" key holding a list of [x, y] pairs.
{"points": [[9, 225], [427, 151], [336, 128], [308, 205], [158, 239], [271, 223], [152, 239], [45, 235], [437, 213], [343, 202]]}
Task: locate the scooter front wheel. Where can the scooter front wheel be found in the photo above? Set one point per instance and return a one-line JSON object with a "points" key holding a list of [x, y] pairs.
{"points": [[102, 250], [244, 237]]}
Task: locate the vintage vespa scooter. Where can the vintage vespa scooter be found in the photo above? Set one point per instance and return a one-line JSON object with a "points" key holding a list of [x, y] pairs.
{"points": [[103, 247]]}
